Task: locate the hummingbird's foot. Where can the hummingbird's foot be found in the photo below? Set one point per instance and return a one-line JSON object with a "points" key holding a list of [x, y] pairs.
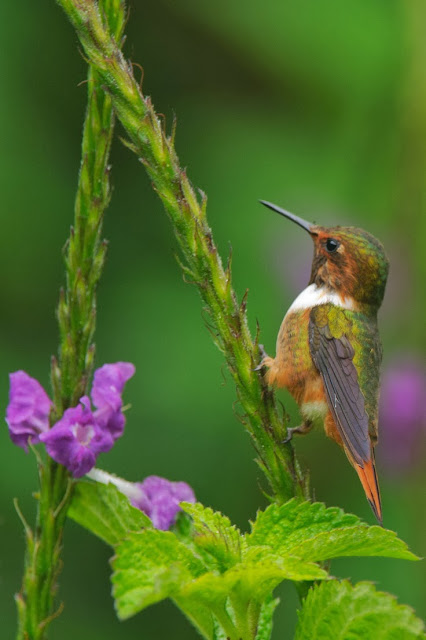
{"points": [[262, 352], [302, 429], [266, 361]]}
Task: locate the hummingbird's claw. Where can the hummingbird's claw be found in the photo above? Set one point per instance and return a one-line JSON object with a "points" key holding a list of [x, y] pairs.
{"points": [[289, 436], [264, 356], [302, 429], [263, 352]]}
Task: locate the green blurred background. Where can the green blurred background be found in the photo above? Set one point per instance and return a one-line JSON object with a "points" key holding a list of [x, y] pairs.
{"points": [[319, 106]]}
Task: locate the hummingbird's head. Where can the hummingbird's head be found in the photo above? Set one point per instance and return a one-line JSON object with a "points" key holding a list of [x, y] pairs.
{"points": [[347, 260]]}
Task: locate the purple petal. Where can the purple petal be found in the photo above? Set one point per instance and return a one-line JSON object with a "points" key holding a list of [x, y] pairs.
{"points": [[160, 498], [108, 385], [77, 439], [111, 421], [27, 413]]}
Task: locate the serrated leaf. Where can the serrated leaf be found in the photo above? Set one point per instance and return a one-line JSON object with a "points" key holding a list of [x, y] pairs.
{"points": [[148, 567], [313, 532], [292, 568], [340, 611], [105, 511], [215, 535], [152, 565]]}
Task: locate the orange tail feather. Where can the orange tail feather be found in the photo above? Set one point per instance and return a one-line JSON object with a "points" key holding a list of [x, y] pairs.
{"points": [[368, 477]]}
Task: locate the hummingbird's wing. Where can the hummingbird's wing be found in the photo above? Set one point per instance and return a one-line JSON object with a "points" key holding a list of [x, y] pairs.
{"points": [[347, 353], [332, 354]]}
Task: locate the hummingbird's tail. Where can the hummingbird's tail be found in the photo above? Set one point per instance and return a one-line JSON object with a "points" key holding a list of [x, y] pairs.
{"points": [[368, 476]]}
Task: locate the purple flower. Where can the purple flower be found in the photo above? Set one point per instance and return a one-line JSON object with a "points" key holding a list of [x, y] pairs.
{"points": [[81, 434], [402, 413], [159, 499], [108, 385], [77, 439], [27, 413]]}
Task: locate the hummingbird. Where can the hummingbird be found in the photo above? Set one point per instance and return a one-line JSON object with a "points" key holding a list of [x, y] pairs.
{"points": [[328, 351]]}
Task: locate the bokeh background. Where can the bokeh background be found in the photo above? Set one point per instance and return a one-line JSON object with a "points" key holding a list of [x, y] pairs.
{"points": [[317, 106]]}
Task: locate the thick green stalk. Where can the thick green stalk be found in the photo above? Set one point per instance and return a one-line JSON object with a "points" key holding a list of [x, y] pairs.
{"points": [[201, 262], [76, 317]]}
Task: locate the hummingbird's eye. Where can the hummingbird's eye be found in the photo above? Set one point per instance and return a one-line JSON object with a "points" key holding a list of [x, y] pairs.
{"points": [[332, 245]]}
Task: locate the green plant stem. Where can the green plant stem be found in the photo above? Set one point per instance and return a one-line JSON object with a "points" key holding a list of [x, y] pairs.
{"points": [[85, 253], [246, 629], [201, 262], [36, 601], [226, 623], [84, 260]]}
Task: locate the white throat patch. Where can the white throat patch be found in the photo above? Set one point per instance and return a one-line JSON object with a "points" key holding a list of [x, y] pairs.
{"points": [[313, 296]]}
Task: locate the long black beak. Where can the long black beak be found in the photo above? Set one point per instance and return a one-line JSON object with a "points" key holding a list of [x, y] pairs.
{"points": [[310, 228]]}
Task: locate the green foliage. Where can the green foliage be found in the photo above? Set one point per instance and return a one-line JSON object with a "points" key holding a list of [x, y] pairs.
{"points": [[340, 611], [152, 565], [312, 532], [149, 566], [215, 535], [105, 511], [221, 579]]}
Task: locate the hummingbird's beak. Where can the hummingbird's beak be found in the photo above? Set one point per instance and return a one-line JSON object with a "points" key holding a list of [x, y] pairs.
{"points": [[310, 228]]}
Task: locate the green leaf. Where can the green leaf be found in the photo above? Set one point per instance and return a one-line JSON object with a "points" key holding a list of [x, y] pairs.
{"points": [[340, 611], [215, 535], [313, 532], [152, 565], [291, 568], [105, 511], [148, 567]]}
